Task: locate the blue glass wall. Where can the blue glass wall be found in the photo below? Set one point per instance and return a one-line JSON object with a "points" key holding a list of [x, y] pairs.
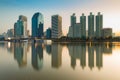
{"points": [[37, 25]]}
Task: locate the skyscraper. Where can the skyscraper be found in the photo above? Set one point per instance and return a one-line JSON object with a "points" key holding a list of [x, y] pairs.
{"points": [[91, 26], [83, 25], [48, 33], [56, 26], [37, 25], [73, 20], [71, 28], [99, 25], [20, 27]]}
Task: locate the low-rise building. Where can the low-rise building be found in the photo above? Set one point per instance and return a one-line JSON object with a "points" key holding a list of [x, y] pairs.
{"points": [[106, 32]]}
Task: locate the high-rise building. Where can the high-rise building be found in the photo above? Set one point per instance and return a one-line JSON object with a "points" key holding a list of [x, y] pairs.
{"points": [[83, 25], [73, 20], [10, 33], [99, 25], [91, 26], [20, 27], [56, 26], [37, 25], [71, 28], [48, 33], [77, 30]]}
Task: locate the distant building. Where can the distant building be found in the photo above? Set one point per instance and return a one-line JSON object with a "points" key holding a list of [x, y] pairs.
{"points": [[70, 32], [91, 26], [56, 26], [10, 33], [106, 32], [48, 33], [37, 25], [99, 25], [73, 20], [77, 30], [83, 25], [20, 27]]}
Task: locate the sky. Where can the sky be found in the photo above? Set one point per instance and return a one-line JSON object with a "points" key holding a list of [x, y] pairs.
{"points": [[11, 9]]}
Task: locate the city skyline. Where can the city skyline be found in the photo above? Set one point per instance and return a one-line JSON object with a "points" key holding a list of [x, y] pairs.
{"points": [[10, 10]]}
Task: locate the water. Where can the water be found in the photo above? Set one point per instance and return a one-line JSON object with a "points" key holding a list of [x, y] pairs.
{"points": [[65, 61]]}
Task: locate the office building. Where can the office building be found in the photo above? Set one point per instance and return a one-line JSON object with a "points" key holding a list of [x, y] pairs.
{"points": [[10, 33], [107, 32], [56, 26], [37, 25], [20, 27], [83, 26], [99, 25], [91, 26], [77, 30], [48, 33], [73, 20]]}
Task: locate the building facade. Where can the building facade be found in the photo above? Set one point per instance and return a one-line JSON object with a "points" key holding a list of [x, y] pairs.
{"points": [[73, 20], [99, 25], [91, 26], [20, 27], [10, 33], [83, 25], [48, 33], [37, 25], [106, 32], [56, 26], [77, 30]]}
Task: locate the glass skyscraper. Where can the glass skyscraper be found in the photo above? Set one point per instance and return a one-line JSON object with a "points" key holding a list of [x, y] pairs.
{"points": [[37, 25], [73, 20], [83, 25], [99, 25], [20, 27], [91, 26]]}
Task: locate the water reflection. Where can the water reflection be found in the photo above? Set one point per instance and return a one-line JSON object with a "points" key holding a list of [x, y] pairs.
{"points": [[89, 54], [56, 55], [20, 53], [77, 51], [37, 56], [48, 49]]}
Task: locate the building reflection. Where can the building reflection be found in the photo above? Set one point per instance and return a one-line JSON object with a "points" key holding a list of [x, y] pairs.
{"points": [[37, 56], [107, 48], [77, 51], [10, 47], [20, 53], [99, 56], [95, 54], [48, 49], [56, 55], [91, 56]]}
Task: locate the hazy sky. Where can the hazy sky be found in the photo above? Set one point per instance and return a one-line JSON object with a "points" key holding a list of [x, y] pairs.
{"points": [[11, 9]]}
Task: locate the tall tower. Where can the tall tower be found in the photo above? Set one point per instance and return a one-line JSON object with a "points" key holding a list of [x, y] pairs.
{"points": [[99, 25], [91, 26], [83, 25], [37, 25], [56, 26], [20, 27], [73, 20]]}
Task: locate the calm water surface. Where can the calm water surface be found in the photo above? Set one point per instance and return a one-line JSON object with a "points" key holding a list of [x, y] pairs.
{"points": [[59, 61]]}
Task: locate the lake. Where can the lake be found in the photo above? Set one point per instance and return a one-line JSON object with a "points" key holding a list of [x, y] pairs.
{"points": [[59, 61]]}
